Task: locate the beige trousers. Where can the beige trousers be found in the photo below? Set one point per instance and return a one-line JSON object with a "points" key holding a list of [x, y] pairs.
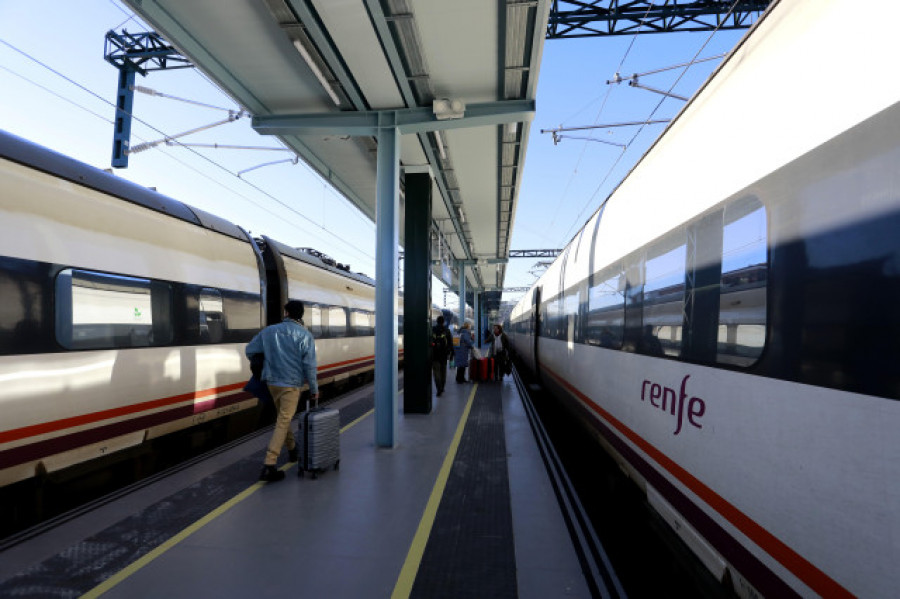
{"points": [[286, 400]]}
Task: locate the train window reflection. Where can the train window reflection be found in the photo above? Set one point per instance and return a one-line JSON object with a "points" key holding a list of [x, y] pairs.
{"points": [[337, 322], [361, 323], [211, 315], [98, 310], [742, 301], [606, 310], [312, 318], [663, 308]]}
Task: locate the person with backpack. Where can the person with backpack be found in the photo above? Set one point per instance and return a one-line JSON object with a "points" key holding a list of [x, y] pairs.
{"points": [[441, 346]]}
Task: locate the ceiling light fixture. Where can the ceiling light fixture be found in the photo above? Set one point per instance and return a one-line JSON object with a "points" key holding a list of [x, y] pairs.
{"points": [[317, 72], [440, 144], [445, 108]]}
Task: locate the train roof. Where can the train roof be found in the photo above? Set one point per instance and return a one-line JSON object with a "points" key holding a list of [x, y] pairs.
{"points": [[304, 256], [30, 154]]}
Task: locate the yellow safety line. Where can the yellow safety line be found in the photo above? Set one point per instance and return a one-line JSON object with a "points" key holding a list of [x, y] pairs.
{"points": [[145, 559], [414, 558], [358, 420], [121, 575]]}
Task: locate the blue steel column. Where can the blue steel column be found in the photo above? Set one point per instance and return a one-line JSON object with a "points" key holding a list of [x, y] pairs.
{"points": [[462, 294], [479, 326], [387, 227], [122, 126]]}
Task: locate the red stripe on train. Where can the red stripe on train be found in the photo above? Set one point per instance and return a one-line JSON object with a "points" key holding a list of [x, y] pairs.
{"points": [[790, 559]]}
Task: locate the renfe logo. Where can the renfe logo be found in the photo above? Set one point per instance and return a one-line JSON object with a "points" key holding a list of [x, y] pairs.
{"points": [[696, 407]]}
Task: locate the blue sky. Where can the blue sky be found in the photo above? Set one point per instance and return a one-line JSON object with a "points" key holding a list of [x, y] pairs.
{"points": [[58, 91]]}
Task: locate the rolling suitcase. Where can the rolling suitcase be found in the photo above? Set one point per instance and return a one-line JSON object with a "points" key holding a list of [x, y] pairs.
{"points": [[318, 440], [481, 369], [487, 369]]}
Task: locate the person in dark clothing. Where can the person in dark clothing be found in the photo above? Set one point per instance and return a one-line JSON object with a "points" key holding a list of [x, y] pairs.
{"points": [[500, 352], [441, 346], [461, 353]]}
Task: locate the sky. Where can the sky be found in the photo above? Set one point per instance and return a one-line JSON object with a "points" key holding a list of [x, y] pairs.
{"points": [[58, 91]]}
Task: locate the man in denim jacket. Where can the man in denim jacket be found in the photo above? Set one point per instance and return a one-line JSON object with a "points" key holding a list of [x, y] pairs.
{"points": [[290, 361]]}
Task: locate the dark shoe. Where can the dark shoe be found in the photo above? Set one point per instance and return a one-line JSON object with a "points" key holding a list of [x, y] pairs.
{"points": [[271, 474], [293, 455]]}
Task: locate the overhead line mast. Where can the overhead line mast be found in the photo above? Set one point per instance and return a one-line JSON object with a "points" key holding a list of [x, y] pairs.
{"points": [[135, 53]]}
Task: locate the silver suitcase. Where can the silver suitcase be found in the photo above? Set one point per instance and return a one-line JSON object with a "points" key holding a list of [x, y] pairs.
{"points": [[318, 440]]}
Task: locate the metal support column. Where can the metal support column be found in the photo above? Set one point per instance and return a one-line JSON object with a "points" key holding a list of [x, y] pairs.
{"points": [[462, 294], [479, 326], [387, 227], [122, 126], [417, 294]]}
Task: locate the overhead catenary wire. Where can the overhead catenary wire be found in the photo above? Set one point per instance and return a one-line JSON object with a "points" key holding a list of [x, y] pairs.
{"points": [[685, 68], [169, 139], [152, 92], [184, 164], [352, 246], [634, 79], [597, 119]]}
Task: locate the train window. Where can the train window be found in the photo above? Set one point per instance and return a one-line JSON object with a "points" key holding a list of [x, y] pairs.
{"points": [[242, 315], [26, 326], [337, 322], [606, 309], [552, 325], [361, 324], [312, 318], [211, 315], [99, 311], [663, 305], [742, 300]]}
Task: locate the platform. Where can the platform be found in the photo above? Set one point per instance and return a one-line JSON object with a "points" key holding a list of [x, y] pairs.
{"points": [[462, 507]]}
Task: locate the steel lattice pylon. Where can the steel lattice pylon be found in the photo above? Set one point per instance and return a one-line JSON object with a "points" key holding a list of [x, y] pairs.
{"points": [[571, 18], [133, 53]]}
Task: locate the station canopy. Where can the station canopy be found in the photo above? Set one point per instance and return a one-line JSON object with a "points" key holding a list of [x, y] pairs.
{"points": [[469, 64]]}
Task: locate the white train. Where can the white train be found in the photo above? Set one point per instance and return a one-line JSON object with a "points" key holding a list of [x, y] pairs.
{"points": [[124, 314], [728, 323]]}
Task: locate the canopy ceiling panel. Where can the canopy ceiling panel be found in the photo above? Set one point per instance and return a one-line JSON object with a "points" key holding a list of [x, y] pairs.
{"points": [[308, 58]]}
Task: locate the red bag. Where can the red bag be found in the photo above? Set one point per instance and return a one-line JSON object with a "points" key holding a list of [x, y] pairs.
{"points": [[486, 369], [473, 370]]}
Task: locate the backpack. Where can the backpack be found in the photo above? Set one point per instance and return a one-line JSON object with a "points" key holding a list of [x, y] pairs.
{"points": [[438, 344]]}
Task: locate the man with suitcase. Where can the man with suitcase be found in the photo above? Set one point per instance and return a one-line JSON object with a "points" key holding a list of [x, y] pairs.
{"points": [[290, 361]]}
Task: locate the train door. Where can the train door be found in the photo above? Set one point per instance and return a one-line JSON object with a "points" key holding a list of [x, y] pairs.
{"points": [[536, 327], [276, 282]]}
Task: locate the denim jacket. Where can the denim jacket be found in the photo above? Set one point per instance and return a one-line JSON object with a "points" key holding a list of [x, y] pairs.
{"points": [[290, 352]]}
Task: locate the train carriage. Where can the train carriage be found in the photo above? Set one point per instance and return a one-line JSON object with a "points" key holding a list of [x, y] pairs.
{"points": [[340, 308], [125, 314], [728, 322]]}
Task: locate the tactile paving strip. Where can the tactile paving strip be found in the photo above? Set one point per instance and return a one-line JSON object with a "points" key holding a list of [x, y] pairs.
{"points": [[470, 553]]}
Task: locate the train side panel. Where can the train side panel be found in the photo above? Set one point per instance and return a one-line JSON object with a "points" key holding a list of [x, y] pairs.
{"points": [[120, 322], [737, 349]]}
